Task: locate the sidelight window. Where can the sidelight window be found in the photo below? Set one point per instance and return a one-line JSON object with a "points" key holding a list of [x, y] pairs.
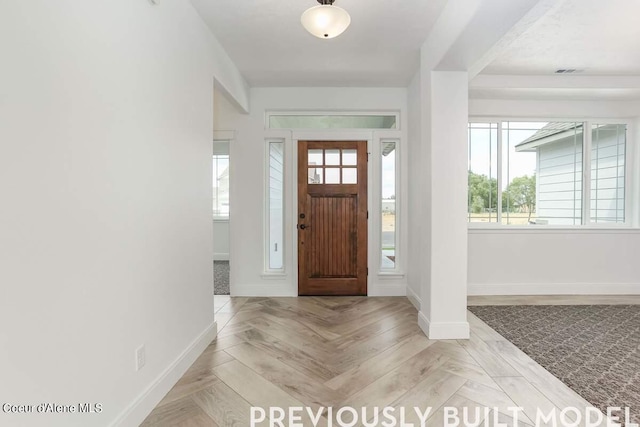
{"points": [[388, 198], [275, 197]]}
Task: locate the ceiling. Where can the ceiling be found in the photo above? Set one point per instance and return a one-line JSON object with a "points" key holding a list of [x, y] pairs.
{"points": [[600, 37], [267, 42]]}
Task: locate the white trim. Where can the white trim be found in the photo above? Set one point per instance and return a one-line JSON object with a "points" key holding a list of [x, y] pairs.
{"points": [[581, 118], [221, 256], [555, 289], [390, 275], [414, 298], [390, 290], [274, 276], [443, 330], [142, 406], [265, 290], [514, 229], [224, 135]]}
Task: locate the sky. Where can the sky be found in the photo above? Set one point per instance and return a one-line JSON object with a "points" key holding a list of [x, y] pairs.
{"points": [[483, 151], [389, 175]]}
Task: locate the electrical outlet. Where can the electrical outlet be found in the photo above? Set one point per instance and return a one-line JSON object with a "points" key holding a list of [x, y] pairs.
{"points": [[141, 357]]}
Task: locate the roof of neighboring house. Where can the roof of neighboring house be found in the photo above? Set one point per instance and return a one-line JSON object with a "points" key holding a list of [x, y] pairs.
{"points": [[550, 132], [388, 147]]}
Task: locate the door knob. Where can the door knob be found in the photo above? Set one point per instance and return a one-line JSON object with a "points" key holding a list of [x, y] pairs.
{"points": [[302, 226]]}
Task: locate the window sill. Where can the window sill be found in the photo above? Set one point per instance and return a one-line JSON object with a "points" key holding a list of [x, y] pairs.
{"points": [[553, 230], [391, 275], [274, 276], [221, 219]]}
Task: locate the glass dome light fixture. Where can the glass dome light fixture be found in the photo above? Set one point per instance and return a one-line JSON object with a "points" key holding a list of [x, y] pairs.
{"points": [[325, 21]]}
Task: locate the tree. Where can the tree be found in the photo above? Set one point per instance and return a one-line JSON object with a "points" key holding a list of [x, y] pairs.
{"points": [[521, 194], [483, 193]]}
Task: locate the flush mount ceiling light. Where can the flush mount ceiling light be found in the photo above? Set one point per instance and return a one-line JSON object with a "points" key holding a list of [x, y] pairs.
{"points": [[325, 21]]}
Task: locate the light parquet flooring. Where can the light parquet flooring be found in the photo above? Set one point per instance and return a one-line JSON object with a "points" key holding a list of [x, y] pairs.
{"points": [[352, 351]]}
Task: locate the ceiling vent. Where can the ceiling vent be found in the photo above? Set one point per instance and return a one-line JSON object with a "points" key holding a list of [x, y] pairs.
{"points": [[568, 71]]}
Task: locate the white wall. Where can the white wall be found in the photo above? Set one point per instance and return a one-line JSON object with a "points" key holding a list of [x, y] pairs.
{"points": [[221, 241], [247, 177], [416, 257], [556, 261], [105, 224]]}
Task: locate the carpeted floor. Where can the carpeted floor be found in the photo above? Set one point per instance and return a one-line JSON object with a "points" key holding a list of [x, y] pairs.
{"points": [[221, 277], [594, 349]]}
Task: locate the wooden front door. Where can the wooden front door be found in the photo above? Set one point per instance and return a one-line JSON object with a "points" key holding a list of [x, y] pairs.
{"points": [[332, 218]]}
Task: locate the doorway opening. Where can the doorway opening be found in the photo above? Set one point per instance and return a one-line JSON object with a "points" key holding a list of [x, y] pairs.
{"points": [[221, 211]]}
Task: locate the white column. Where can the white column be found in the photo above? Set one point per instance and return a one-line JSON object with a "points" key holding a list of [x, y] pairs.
{"points": [[443, 313]]}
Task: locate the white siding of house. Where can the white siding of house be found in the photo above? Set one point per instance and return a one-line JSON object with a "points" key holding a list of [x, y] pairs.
{"points": [[608, 174], [276, 204], [559, 182]]}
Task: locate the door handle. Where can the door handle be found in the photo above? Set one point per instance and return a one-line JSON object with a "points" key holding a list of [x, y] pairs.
{"points": [[302, 226]]}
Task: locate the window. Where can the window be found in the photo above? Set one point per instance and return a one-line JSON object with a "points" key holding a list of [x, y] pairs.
{"points": [[389, 191], [608, 150], [332, 121], [221, 179], [542, 173], [531, 173], [483, 172], [275, 196]]}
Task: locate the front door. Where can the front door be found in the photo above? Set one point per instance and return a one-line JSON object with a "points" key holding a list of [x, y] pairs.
{"points": [[332, 218]]}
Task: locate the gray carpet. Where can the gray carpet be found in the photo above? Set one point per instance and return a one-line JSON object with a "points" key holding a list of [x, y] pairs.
{"points": [[221, 277], [594, 349]]}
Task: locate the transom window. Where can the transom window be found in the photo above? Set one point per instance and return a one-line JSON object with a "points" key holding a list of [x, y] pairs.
{"points": [[332, 166], [277, 120]]}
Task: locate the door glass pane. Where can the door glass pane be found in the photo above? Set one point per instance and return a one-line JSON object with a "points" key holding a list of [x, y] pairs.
{"points": [[388, 261], [349, 176], [315, 175], [315, 157], [349, 157], [332, 157], [332, 176]]}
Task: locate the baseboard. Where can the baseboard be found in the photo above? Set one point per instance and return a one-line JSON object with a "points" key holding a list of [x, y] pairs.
{"points": [[443, 330], [414, 298], [269, 289], [219, 256], [398, 290], [144, 404], [555, 289]]}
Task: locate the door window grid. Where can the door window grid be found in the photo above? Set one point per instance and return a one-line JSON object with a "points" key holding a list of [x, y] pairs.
{"points": [[332, 166]]}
